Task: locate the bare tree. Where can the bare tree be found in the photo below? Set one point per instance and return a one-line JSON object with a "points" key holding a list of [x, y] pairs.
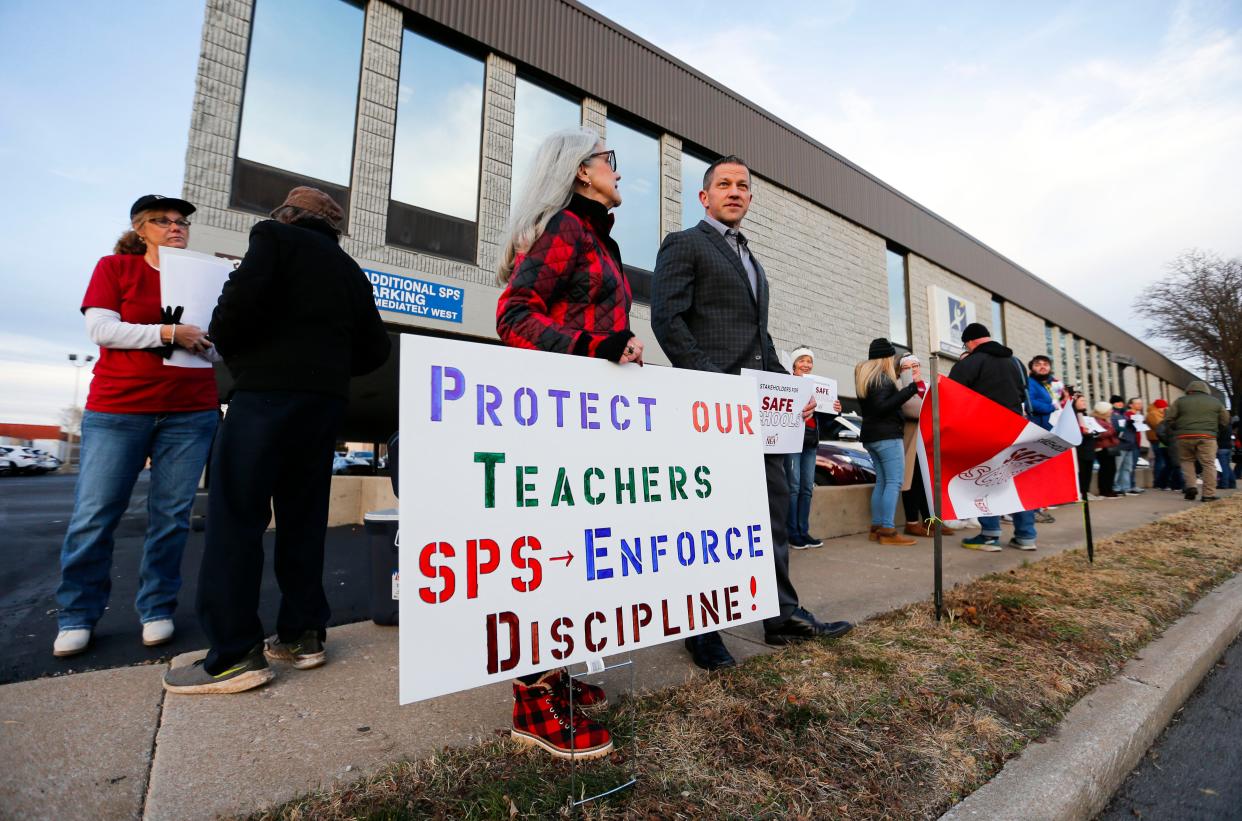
{"points": [[1197, 309], [71, 420]]}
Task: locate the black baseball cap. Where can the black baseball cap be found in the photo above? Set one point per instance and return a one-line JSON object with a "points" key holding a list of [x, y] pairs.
{"points": [[148, 201]]}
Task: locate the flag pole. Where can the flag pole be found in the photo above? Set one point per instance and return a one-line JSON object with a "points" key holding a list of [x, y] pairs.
{"points": [[937, 536]]}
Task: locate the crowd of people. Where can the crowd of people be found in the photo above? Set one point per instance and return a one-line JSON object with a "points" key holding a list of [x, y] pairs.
{"points": [[565, 290]]}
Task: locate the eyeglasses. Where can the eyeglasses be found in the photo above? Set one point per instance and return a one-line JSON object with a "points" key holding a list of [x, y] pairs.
{"points": [[610, 154], [164, 222]]}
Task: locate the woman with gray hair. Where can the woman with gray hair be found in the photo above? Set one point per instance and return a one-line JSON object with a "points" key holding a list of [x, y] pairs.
{"points": [[565, 291]]}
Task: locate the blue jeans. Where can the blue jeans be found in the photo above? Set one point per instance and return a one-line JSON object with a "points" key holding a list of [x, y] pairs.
{"points": [[889, 456], [1125, 471], [1168, 474], [1023, 525], [115, 447], [1225, 478], [800, 473]]}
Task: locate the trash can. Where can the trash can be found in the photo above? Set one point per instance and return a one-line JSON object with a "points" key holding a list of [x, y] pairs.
{"points": [[383, 538]]}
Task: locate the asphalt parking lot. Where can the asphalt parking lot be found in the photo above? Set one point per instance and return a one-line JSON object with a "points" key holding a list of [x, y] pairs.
{"points": [[34, 513]]}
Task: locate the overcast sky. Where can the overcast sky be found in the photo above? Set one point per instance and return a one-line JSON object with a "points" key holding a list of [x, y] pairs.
{"points": [[1090, 142]]}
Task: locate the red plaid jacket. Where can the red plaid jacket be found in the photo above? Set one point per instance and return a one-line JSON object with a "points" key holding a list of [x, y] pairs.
{"points": [[568, 293]]}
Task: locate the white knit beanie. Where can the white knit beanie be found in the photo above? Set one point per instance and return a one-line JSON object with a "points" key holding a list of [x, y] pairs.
{"points": [[801, 352]]}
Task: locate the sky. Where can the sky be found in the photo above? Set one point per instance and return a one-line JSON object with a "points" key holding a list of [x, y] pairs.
{"points": [[1089, 142]]}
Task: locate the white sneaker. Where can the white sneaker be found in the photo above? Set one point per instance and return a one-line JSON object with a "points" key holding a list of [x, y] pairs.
{"points": [[71, 642], [156, 632], [1020, 545]]}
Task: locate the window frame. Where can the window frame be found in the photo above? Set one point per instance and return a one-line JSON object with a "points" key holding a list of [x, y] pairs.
{"points": [[410, 213], [893, 248], [248, 173], [633, 272]]}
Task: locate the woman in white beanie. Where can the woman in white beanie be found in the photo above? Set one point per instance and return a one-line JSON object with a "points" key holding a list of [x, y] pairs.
{"points": [[800, 467]]}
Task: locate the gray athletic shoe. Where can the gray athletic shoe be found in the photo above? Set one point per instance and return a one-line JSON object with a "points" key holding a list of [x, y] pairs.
{"points": [[252, 671], [304, 652]]}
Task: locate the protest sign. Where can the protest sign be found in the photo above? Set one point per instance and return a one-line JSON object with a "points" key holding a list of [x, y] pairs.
{"points": [[994, 461], [781, 400], [825, 393], [556, 509], [193, 281]]}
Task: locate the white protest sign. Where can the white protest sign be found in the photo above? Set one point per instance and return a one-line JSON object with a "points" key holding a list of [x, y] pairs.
{"points": [[193, 281], [1092, 425], [556, 509], [781, 400], [825, 393], [1140, 423]]}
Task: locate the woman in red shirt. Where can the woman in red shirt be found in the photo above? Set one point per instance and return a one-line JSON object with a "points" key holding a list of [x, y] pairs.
{"points": [[565, 291], [138, 408]]}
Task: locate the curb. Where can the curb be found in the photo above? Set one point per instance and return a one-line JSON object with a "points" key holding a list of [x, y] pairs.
{"points": [[1075, 773]]}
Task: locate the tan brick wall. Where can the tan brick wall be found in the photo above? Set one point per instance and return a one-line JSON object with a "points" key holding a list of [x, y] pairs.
{"points": [[813, 258], [670, 184], [497, 171], [216, 112], [595, 115], [924, 273], [376, 127], [1024, 331]]}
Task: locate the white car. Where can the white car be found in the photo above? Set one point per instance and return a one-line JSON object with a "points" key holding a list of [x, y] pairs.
{"points": [[20, 459]]}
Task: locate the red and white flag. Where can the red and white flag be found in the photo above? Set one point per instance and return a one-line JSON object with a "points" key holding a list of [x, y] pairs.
{"points": [[994, 461]]}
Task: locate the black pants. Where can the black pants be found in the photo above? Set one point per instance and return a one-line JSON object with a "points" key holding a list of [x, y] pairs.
{"points": [[272, 452], [778, 510], [914, 500], [1086, 461], [1107, 472]]}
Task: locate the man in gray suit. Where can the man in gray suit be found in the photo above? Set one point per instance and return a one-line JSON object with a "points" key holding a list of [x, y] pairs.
{"points": [[709, 311]]}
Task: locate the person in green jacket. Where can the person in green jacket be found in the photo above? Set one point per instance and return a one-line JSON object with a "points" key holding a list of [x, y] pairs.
{"points": [[1194, 420]]}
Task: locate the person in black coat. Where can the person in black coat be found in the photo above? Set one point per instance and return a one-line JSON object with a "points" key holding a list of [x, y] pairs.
{"points": [[992, 370], [294, 323], [883, 428], [709, 312]]}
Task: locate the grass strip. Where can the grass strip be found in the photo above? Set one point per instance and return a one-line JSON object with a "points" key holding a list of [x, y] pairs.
{"points": [[900, 719]]}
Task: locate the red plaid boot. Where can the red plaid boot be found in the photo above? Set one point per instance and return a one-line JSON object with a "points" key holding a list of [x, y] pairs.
{"points": [[586, 696], [541, 718]]}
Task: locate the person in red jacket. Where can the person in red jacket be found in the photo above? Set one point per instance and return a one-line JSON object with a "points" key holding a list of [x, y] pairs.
{"points": [[137, 409], [565, 290]]}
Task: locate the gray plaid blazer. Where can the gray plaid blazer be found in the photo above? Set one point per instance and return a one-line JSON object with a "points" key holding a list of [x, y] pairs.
{"points": [[702, 309]]}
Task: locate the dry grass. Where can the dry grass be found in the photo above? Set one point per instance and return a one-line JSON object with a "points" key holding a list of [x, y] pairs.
{"points": [[898, 720]]}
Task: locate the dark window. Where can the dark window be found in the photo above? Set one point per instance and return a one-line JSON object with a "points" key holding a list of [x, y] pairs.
{"points": [[898, 299], [998, 320], [437, 150], [438, 234]]}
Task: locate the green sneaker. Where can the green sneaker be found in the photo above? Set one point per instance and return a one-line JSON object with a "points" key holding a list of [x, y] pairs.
{"points": [[304, 652], [252, 671]]}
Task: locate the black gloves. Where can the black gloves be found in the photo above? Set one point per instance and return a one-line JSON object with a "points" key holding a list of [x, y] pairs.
{"points": [[169, 316], [613, 346]]}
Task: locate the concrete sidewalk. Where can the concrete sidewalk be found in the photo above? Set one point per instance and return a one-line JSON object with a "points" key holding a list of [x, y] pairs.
{"points": [[111, 744]]}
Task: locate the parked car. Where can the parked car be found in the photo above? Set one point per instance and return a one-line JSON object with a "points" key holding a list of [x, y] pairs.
{"points": [[8, 461], [839, 464], [355, 463], [45, 462], [22, 459]]}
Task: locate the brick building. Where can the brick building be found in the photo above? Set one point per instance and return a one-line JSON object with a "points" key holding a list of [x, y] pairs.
{"points": [[420, 116]]}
